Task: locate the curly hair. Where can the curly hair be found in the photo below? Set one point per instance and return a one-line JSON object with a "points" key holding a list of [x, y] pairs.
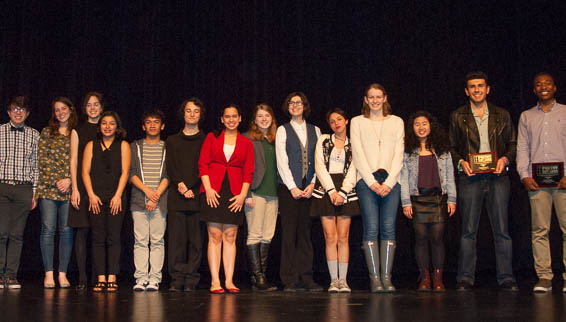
{"points": [[436, 141]]}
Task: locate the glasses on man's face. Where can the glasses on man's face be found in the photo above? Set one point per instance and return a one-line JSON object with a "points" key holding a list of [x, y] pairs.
{"points": [[93, 104], [297, 103], [17, 109]]}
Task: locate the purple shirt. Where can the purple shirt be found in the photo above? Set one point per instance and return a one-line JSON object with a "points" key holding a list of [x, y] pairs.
{"points": [[541, 137]]}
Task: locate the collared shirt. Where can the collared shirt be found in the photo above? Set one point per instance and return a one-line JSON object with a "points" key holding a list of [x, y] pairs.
{"points": [[18, 154], [541, 137], [281, 152], [483, 129]]}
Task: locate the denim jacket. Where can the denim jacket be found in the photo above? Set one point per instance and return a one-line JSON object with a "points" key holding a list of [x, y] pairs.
{"points": [[410, 175]]}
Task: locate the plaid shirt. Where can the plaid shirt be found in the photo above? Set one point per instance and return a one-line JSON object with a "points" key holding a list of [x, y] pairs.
{"points": [[18, 154]]}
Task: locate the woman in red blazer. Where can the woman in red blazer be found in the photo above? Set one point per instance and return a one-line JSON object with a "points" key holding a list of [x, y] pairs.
{"points": [[226, 166]]}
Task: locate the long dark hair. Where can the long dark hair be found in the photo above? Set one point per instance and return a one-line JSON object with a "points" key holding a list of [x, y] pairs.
{"points": [[54, 123], [436, 141], [120, 131], [221, 127]]}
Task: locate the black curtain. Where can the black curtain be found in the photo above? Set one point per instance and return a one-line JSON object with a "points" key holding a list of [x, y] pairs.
{"points": [[153, 55]]}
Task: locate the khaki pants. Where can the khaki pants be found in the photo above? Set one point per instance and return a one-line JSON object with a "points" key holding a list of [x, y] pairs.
{"points": [[262, 219], [541, 211]]}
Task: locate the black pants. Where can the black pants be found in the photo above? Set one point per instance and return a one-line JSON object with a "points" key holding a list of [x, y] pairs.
{"points": [[106, 229], [15, 204], [184, 245], [296, 245]]}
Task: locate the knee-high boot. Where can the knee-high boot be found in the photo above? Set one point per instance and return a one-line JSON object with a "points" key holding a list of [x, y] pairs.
{"points": [[263, 253], [387, 256], [256, 276], [371, 253]]}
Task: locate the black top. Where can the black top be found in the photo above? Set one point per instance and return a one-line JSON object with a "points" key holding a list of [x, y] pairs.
{"points": [[428, 172], [79, 218], [183, 152], [106, 169]]}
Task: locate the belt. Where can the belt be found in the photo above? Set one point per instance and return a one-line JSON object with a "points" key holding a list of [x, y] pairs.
{"points": [[14, 182]]}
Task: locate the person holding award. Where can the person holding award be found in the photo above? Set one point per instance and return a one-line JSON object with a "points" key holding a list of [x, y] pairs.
{"points": [[482, 131], [541, 152]]}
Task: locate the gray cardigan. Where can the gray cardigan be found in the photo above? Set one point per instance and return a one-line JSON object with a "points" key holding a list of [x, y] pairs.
{"points": [[138, 200], [259, 164]]}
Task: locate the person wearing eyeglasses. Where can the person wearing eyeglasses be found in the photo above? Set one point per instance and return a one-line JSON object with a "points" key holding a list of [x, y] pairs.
{"points": [[295, 144], [18, 179], [93, 106]]}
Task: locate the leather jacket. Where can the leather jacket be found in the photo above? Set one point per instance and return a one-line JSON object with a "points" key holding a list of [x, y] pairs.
{"points": [[465, 139]]}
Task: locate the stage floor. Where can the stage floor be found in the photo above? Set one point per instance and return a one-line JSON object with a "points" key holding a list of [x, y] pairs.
{"points": [[33, 303]]}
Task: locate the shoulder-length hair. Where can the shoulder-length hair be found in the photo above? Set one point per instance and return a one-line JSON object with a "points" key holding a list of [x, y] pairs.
{"points": [[254, 131], [54, 124], [97, 95], [197, 102], [306, 105], [436, 141], [386, 106], [120, 131]]}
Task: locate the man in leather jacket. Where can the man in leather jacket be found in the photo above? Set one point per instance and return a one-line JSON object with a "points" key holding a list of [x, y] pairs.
{"points": [[479, 127]]}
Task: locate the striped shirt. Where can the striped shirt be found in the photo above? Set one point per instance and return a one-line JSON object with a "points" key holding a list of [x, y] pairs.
{"points": [[18, 154], [152, 164]]}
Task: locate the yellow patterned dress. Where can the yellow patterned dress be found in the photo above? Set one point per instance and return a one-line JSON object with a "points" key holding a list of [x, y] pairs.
{"points": [[54, 163]]}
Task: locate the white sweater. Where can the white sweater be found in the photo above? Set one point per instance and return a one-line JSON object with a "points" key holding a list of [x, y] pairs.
{"points": [[369, 156]]}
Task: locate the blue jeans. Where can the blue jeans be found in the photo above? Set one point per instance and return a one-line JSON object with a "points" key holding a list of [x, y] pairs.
{"points": [[53, 213], [378, 214], [473, 192]]}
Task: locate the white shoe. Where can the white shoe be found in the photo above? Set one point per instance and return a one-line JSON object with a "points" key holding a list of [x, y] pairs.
{"points": [[139, 287], [152, 287], [344, 288], [334, 287]]}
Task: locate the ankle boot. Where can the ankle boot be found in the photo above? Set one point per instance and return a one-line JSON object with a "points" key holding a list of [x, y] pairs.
{"points": [[387, 256], [263, 253], [372, 257], [424, 283], [437, 285], [256, 276]]}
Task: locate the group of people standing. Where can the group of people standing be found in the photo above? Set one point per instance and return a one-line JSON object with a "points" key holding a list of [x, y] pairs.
{"points": [[79, 173]]}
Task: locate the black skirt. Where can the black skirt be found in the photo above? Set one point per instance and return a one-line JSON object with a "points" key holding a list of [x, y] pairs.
{"points": [[324, 207], [221, 214], [430, 209]]}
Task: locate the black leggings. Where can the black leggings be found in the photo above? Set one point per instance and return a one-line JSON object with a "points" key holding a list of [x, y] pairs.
{"points": [[80, 252], [433, 233]]}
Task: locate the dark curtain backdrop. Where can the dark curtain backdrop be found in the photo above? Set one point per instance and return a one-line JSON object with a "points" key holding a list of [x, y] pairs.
{"points": [[144, 56]]}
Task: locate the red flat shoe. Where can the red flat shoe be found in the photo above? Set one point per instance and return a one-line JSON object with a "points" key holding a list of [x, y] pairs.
{"points": [[233, 290], [217, 291]]}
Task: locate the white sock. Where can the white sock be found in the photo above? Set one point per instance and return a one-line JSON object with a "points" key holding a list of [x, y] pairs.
{"points": [[333, 269], [343, 270]]}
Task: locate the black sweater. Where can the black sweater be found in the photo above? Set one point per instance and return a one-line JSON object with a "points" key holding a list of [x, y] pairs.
{"points": [[183, 152]]}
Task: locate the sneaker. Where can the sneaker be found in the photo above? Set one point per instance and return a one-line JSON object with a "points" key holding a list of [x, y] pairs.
{"points": [[564, 287], [344, 288], [334, 286], [152, 287], [139, 287], [543, 285], [1, 282], [509, 285], [12, 283]]}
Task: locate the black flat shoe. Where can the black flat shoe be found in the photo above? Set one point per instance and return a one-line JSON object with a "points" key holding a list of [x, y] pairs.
{"points": [[81, 287]]}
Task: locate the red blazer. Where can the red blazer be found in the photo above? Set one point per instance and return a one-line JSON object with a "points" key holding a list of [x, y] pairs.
{"points": [[212, 162]]}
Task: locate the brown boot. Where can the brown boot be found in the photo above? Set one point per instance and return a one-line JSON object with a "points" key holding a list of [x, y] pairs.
{"points": [[424, 283], [437, 286]]}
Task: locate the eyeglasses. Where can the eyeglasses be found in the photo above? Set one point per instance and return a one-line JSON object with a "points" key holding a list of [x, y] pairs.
{"points": [[17, 109], [298, 103], [93, 104]]}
